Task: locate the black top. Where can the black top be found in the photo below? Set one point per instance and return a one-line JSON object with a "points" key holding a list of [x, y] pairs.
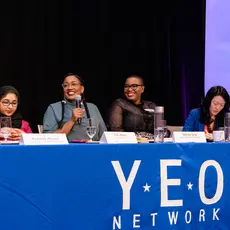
{"points": [[127, 116]]}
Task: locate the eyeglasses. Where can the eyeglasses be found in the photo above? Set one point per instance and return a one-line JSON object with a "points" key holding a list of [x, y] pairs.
{"points": [[133, 87], [73, 84], [8, 103]]}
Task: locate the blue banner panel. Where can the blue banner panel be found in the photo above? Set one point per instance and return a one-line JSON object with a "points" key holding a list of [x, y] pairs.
{"points": [[113, 187]]}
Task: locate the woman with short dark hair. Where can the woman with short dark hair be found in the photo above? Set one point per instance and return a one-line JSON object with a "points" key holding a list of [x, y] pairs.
{"points": [[132, 113]]}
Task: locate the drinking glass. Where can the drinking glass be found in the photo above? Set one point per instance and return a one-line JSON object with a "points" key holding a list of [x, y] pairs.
{"points": [[91, 128], [5, 127], [165, 127], [159, 131]]}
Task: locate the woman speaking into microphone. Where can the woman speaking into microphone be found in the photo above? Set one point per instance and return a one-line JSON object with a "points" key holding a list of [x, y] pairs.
{"points": [[72, 115]]}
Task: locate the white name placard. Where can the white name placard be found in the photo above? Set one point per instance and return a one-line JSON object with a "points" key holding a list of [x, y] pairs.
{"points": [[43, 139], [118, 137], [185, 137]]}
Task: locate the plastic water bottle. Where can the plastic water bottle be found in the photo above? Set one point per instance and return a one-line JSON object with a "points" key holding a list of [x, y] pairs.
{"points": [[158, 124], [227, 126]]}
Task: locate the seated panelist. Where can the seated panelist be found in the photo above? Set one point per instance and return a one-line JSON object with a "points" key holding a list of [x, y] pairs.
{"points": [[65, 117], [210, 115], [131, 113], [9, 107]]}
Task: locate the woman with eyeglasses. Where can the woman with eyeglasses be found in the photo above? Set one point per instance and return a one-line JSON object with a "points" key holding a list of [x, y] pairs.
{"points": [[131, 113], [65, 117], [9, 107], [210, 115]]}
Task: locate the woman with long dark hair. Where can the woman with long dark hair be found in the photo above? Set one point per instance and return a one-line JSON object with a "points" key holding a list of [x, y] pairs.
{"points": [[63, 116], [210, 115]]}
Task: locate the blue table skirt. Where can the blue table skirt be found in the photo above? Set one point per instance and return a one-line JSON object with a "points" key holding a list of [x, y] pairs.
{"points": [[110, 187]]}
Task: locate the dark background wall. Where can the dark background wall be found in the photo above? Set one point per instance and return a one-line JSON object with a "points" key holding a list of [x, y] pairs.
{"points": [[104, 41]]}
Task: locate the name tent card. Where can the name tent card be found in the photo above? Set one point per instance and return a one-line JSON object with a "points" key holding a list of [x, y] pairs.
{"points": [[43, 139], [118, 137], [185, 137]]}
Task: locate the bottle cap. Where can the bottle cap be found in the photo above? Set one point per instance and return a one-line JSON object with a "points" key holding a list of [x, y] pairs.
{"points": [[159, 109], [227, 115]]}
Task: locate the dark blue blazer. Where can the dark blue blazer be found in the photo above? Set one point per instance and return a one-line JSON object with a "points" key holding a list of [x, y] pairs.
{"points": [[192, 122]]}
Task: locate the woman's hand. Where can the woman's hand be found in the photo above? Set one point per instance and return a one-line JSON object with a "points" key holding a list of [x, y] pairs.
{"points": [[15, 134], [77, 113], [208, 135]]}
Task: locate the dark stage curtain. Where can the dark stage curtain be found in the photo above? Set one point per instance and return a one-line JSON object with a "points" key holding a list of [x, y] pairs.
{"points": [[104, 42]]}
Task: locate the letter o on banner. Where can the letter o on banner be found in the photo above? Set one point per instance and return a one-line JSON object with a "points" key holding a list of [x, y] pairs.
{"points": [[220, 182]]}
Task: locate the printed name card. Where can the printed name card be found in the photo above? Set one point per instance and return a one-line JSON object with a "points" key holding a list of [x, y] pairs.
{"points": [[118, 137], [43, 139], [185, 137]]}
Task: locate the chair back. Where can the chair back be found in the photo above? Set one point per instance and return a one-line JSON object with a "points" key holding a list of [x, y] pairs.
{"points": [[40, 128], [174, 128]]}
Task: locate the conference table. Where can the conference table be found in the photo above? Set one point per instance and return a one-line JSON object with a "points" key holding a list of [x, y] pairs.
{"points": [[115, 186]]}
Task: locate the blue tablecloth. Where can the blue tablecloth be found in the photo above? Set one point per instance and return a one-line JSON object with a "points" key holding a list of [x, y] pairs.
{"points": [[108, 187]]}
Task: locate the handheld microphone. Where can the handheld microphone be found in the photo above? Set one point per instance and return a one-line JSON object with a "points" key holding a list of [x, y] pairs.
{"points": [[78, 105]]}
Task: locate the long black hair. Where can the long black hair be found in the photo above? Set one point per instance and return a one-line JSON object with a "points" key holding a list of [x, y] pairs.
{"points": [[16, 117], [82, 97], [205, 117]]}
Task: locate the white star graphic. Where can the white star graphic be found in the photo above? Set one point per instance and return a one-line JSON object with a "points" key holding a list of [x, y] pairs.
{"points": [[190, 185], [146, 187]]}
